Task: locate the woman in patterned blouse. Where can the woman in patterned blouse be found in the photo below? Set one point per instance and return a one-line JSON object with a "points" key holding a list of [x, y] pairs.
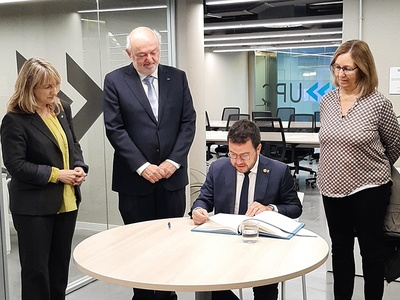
{"points": [[360, 140]]}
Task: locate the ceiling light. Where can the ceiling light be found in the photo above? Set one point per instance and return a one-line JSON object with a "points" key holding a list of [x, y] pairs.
{"points": [[274, 42], [274, 23], [222, 2], [275, 49], [326, 3], [309, 74], [280, 34], [121, 9], [12, 1]]}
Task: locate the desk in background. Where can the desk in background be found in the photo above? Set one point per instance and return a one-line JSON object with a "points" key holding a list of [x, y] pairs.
{"points": [[295, 138], [221, 125], [149, 255]]}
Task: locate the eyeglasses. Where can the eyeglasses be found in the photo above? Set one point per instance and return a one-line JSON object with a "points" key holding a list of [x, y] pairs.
{"points": [[346, 70], [243, 156]]}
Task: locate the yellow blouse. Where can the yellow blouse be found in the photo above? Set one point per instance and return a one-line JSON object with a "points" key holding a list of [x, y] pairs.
{"points": [[69, 200]]}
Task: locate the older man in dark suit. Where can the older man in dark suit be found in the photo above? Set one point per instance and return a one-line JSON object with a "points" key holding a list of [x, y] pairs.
{"points": [[270, 186], [150, 122]]}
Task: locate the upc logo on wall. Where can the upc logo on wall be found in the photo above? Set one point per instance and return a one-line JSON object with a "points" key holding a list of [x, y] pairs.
{"points": [[300, 91]]}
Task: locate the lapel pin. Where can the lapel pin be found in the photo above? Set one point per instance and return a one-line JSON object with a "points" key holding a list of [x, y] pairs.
{"points": [[168, 78], [266, 171]]}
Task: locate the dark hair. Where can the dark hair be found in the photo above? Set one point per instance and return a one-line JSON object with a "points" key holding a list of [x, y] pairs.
{"points": [[244, 130], [361, 54]]}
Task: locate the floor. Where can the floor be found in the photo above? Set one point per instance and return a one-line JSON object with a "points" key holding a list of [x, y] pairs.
{"points": [[319, 282]]}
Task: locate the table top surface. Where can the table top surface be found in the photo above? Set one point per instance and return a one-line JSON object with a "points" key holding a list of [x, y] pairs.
{"points": [[297, 138], [149, 255]]}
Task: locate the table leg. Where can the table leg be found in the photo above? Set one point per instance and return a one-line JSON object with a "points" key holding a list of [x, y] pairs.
{"points": [[202, 295]]}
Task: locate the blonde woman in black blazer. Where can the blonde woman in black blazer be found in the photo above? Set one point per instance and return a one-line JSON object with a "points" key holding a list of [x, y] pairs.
{"points": [[45, 161]]}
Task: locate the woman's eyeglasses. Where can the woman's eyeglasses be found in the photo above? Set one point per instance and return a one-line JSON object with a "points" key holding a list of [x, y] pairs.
{"points": [[346, 70]]}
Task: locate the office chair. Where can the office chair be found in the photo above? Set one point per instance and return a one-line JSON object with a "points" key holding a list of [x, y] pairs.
{"points": [[223, 149], [260, 114], [285, 112], [283, 283], [228, 111], [315, 156], [302, 123], [208, 144], [277, 150], [317, 120], [235, 117]]}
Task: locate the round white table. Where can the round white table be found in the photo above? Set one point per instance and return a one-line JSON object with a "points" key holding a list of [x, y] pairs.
{"points": [[152, 255]]}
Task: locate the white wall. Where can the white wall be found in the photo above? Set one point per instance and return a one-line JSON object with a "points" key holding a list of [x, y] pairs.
{"points": [[226, 81], [380, 23], [190, 58]]}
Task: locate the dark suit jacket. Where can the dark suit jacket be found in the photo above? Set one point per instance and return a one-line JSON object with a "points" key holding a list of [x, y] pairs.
{"points": [[135, 134], [274, 185], [29, 151]]}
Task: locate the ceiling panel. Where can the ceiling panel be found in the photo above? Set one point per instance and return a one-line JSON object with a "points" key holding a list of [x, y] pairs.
{"points": [[274, 24]]}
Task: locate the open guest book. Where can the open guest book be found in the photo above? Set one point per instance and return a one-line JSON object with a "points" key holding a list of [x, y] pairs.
{"points": [[271, 224]]}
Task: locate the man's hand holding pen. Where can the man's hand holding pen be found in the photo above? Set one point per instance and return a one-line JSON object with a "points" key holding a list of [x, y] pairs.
{"points": [[199, 215]]}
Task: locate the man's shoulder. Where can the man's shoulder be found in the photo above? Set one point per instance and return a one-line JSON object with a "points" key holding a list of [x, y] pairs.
{"points": [[220, 164], [121, 70], [170, 69], [272, 163]]}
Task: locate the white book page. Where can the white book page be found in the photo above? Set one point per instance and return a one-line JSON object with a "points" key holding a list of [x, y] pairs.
{"points": [[276, 219]]}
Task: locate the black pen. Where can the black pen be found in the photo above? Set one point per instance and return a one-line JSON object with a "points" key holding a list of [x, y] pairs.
{"points": [[169, 225]]}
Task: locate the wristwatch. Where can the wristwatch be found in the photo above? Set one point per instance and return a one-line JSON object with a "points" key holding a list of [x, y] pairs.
{"points": [[271, 207]]}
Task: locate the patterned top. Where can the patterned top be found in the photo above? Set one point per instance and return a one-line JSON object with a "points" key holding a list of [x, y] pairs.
{"points": [[357, 149]]}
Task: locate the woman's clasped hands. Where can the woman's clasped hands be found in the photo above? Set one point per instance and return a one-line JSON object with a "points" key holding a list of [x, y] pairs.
{"points": [[72, 177]]}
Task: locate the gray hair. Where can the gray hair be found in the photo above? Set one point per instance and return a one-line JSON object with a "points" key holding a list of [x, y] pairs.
{"points": [[155, 32]]}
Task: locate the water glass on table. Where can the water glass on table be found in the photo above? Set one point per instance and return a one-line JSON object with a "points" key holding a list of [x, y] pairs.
{"points": [[250, 229]]}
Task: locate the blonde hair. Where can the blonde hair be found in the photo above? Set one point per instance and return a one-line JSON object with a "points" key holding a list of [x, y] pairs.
{"points": [[367, 80], [34, 72]]}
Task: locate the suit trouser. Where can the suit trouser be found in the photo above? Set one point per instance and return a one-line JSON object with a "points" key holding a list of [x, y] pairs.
{"points": [[158, 205], [44, 244], [360, 215]]}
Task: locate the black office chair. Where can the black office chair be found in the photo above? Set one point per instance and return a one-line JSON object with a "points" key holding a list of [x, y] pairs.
{"points": [[302, 123], [235, 117], [277, 150], [208, 144], [315, 155], [228, 111], [317, 120], [285, 112], [260, 114], [222, 150]]}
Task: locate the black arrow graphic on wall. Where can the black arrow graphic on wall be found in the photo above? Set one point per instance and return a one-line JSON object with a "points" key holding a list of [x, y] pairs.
{"points": [[89, 90], [85, 86]]}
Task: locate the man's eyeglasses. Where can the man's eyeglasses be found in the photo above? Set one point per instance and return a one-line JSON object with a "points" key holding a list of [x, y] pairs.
{"points": [[243, 156], [346, 70]]}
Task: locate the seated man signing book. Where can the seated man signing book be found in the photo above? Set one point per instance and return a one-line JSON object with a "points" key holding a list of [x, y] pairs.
{"points": [[246, 183]]}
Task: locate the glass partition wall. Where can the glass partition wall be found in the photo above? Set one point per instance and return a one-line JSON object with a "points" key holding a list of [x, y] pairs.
{"points": [[84, 40], [293, 78]]}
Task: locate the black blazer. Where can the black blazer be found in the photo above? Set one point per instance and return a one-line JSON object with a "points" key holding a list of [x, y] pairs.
{"points": [[29, 151], [135, 134]]}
